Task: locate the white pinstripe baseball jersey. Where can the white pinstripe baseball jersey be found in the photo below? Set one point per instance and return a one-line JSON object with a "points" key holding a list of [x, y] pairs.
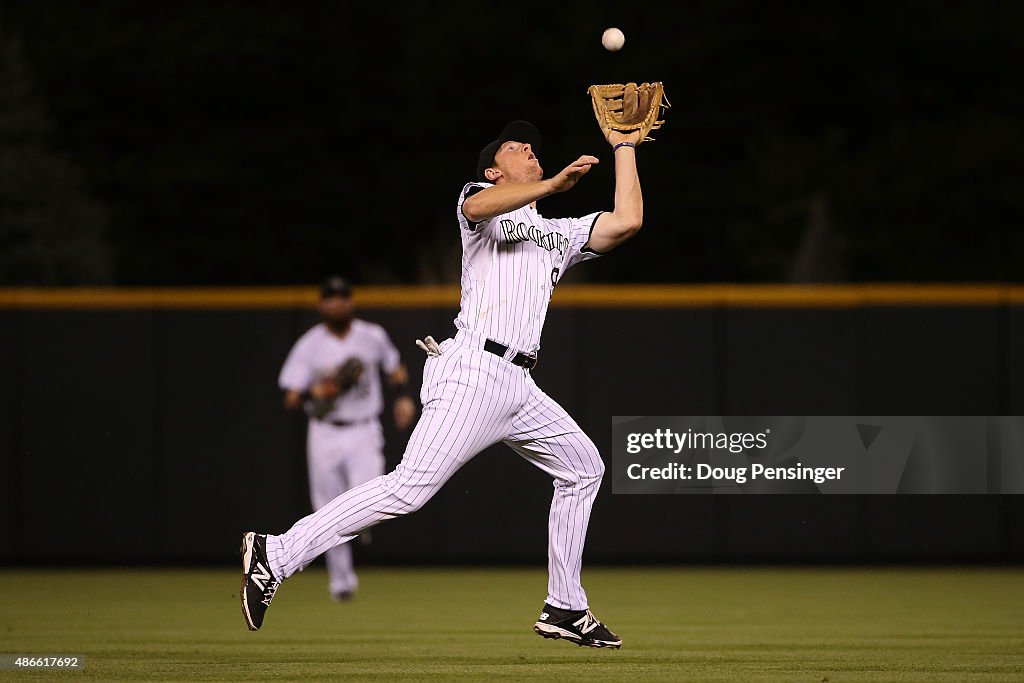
{"points": [[473, 398], [319, 352], [510, 266]]}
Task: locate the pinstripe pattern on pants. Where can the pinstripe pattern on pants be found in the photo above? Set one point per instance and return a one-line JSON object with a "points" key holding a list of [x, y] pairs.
{"points": [[471, 400]]}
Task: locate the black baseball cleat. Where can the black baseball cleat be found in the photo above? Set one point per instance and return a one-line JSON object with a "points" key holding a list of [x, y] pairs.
{"points": [[577, 626], [258, 583]]}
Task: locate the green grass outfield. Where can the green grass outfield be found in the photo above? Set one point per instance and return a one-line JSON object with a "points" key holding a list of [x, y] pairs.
{"points": [[717, 624]]}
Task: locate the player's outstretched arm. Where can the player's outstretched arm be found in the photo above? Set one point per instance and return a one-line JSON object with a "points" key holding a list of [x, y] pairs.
{"points": [[506, 197], [612, 229]]}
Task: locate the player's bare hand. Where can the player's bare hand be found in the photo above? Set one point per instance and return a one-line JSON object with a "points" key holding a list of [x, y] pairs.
{"points": [[571, 174], [325, 390], [405, 412], [615, 137]]}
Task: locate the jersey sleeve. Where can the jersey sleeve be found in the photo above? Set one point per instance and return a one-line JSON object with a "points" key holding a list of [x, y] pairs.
{"points": [[468, 191], [578, 232], [297, 373], [390, 358]]}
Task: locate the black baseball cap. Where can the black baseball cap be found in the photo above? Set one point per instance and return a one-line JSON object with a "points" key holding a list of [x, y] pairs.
{"points": [[520, 131], [335, 285]]}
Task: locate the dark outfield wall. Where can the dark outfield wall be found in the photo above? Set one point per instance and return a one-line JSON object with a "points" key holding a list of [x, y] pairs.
{"points": [[157, 435]]}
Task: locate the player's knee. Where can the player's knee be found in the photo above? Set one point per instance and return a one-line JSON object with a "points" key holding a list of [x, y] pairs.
{"points": [[406, 496], [593, 455], [408, 503], [407, 499], [593, 472]]}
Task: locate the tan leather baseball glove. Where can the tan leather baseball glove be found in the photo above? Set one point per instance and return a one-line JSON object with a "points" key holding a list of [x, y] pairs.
{"points": [[629, 108]]}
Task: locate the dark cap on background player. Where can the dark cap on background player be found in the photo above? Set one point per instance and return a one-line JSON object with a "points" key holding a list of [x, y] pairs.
{"points": [[335, 285], [520, 131], [336, 307]]}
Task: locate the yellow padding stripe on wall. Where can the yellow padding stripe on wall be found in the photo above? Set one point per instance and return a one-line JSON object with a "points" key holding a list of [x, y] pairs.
{"points": [[595, 296]]}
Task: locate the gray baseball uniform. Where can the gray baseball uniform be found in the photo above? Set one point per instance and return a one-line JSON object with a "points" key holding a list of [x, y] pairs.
{"points": [[473, 398]]}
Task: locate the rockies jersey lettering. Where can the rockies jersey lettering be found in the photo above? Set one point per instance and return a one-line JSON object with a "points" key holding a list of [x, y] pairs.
{"points": [[510, 266], [521, 233]]}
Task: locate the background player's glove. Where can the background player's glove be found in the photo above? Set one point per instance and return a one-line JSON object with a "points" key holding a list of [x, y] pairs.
{"points": [[347, 376], [629, 108]]}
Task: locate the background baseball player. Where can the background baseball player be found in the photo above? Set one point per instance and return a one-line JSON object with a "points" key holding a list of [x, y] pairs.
{"points": [[477, 388], [333, 372]]}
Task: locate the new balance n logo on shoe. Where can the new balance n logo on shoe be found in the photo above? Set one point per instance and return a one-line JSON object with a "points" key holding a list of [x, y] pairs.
{"points": [[260, 576], [586, 623]]}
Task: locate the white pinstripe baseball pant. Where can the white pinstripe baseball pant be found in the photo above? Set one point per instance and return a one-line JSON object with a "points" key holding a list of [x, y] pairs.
{"points": [[471, 400], [339, 459]]}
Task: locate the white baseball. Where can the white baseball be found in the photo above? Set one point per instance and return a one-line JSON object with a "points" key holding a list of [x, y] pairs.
{"points": [[613, 39]]}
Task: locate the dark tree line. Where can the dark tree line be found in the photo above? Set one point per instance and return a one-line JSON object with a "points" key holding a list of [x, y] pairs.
{"points": [[261, 143]]}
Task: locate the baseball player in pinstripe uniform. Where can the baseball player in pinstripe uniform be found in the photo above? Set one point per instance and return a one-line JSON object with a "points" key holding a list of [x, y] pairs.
{"points": [[477, 389], [333, 372]]}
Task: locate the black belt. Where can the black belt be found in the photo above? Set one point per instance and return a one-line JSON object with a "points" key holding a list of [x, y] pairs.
{"points": [[520, 359], [348, 423]]}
